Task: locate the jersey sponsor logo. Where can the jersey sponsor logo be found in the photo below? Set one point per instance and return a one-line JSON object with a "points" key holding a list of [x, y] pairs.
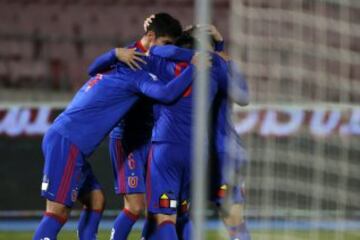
{"points": [[133, 181], [93, 82], [131, 161], [166, 202]]}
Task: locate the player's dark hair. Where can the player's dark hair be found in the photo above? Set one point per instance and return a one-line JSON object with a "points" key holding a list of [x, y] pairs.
{"points": [[186, 41], [191, 31], [163, 24]]}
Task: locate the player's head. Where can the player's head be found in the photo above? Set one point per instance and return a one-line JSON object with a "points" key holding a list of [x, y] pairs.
{"points": [[161, 29], [186, 40], [191, 31]]}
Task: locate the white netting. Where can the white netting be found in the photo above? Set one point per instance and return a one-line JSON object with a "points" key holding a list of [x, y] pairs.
{"points": [[302, 62]]}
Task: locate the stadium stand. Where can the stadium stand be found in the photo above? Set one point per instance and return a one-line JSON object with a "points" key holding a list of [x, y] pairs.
{"points": [[48, 44], [61, 37]]}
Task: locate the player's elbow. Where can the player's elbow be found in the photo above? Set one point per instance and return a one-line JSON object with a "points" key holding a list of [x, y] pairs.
{"points": [[240, 97], [242, 100], [167, 99]]}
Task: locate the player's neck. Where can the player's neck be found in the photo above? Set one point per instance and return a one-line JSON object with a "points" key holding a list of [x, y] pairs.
{"points": [[145, 42]]}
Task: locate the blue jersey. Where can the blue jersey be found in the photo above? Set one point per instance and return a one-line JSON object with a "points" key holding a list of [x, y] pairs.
{"points": [[180, 113], [105, 99], [135, 128], [174, 122], [223, 127]]}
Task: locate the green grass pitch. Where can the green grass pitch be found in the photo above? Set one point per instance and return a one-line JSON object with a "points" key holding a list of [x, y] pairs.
{"points": [[257, 235]]}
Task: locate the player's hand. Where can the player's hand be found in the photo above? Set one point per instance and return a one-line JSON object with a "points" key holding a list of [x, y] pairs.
{"points": [[223, 55], [130, 57], [196, 60], [189, 29], [148, 21], [213, 31]]}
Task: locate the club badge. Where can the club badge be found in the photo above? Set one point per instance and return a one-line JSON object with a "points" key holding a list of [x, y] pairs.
{"points": [[133, 181]]}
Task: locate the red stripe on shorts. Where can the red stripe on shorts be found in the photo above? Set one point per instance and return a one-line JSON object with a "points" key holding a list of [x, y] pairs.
{"points": [[67, 175], [120, 165], [148, 176]]}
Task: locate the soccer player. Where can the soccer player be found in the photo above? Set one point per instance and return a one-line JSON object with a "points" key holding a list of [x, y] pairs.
{"points": [[230, 155], [129, 141], [222, 133], [229, 159], [96, 108], [168, 178]]}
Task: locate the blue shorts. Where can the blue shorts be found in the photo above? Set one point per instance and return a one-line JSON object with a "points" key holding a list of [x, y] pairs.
{"points": [[67, 175], [238, 194], [168, 178], [129, 168], [226, 173], [235, 193]]}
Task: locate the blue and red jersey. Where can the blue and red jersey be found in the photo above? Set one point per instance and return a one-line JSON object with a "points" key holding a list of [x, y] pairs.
{"points": [[221, 72], [104, 100], [174, 122], [136, 127], [223, 127]]}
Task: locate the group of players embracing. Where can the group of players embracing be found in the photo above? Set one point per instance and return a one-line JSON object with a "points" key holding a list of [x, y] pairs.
{"points": [[142, 95]]}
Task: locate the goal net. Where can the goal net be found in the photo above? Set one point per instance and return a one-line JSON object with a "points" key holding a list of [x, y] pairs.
{"points": [[302, 62]]}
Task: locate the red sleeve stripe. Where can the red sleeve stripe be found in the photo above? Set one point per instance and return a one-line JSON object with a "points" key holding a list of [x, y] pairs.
{"points": [[179, 67]]}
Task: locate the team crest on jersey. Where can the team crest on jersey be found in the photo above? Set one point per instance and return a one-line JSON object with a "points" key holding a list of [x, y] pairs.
{"points": [[131, 161], [133, 181], [166, 202], [74, 195]]}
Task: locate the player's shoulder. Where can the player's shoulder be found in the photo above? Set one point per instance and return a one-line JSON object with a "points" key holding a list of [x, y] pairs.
{"points": [[218, 64], [219, 61]]}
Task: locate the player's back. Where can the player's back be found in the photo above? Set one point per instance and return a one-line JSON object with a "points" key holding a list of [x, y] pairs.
{"points": [[222, 126], [96, 108], [174, 121], [135, 128], [223, 132]]}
